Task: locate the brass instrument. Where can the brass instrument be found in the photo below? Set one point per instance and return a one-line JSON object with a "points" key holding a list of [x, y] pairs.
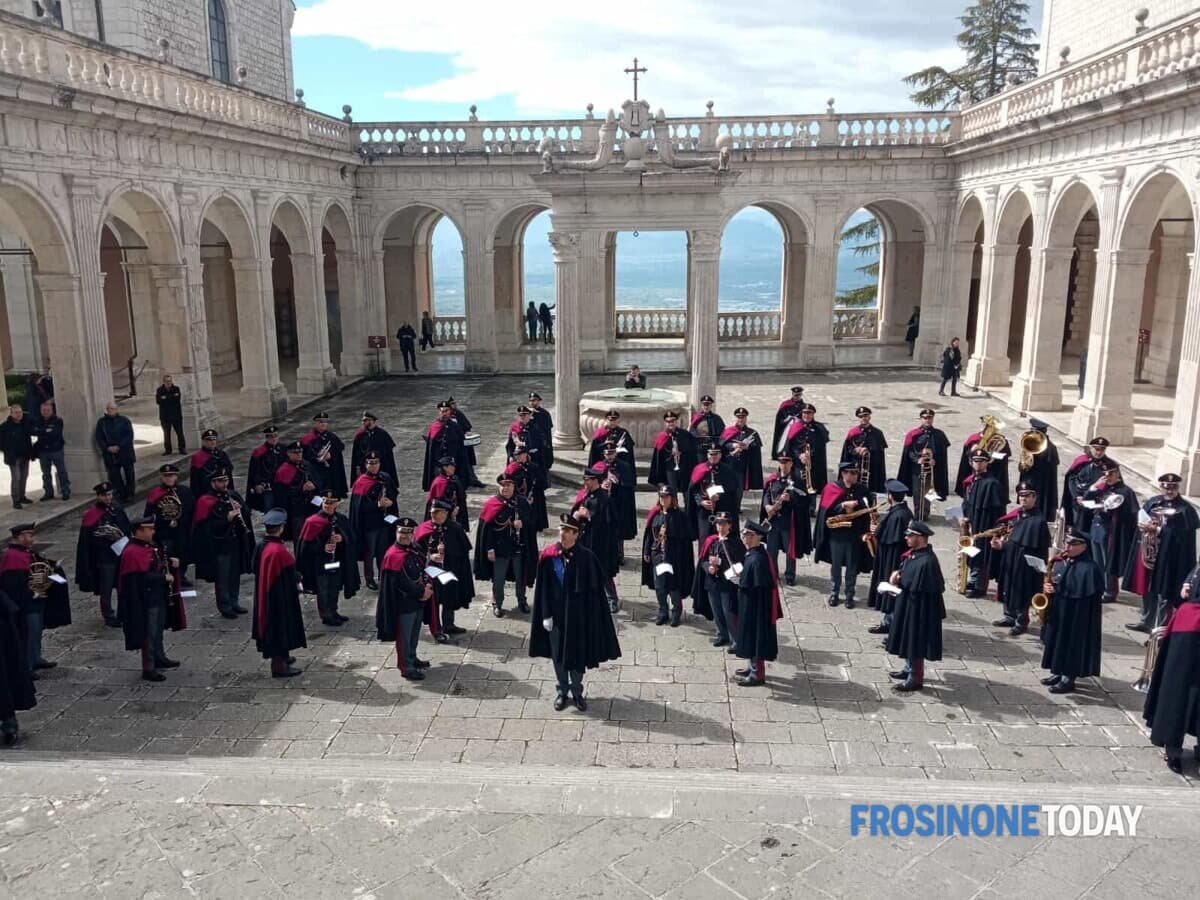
{"points": [[107, 531], [1153, 645], [869, 538], [925, 463], [843, 520], [864, 461], [169, 507], [40, 570], [990, 439], [1040, 602], [999, 531], [702, 429], [1032, 443], [806, 449], [964, 564], [1152, 537], [675, 451], [788, 487]]}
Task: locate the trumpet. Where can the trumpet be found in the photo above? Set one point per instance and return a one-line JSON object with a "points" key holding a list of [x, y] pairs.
{"points": [[675, 452], [864, 461], [806, 449]]}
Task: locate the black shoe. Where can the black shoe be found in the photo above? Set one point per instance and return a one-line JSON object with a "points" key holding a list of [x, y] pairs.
{"points": [[974, 594], [415, 675], [955, 395], [661, 619], [1066, 686], [289, 672], [1138, 626], [731, 649], [849, 603], [1051, 679], [721, 642], [476, 484], [228, 614], [580, 703], [1004, 623], [789, 580], [907, 686], [1017, 630], [66, 497], [560, 702], [1175, 764], [166, 663], [240, 610], [44, 664], [833, 600], [497, 611], [16, 504], [290, 660], [877, 629], [751, 682], [676, 615], [899, 674], [342, 619], [441, 638], [112, 621], [8, 733], [451, 629], [45, 498], [614, 607], [332, 623], [522, 606], [423, 664], [941, 393], [743, 673], [372, 585], [153, 675]]}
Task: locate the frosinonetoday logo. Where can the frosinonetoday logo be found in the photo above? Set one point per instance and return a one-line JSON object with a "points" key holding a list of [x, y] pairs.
{"points": [[993, 820]]}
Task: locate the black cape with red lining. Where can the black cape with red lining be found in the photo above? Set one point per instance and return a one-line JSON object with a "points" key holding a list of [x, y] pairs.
{"points": [[495, 514], [207, 464], [889, 547], [916, 629], [1042, 476], [579, 607], [314, 534], [600, 532], [748, 465], [997, 467], [457, 594], [1030, 537], [211, 530], [1172, 707], [401, 589], [678, 551], [734, 552], [330, 476], [528, 481], [366, 516], [367, 439], [624, 497], [14, 582], [832, 496], [442, 438], [871, 438], [1176, 554], [794, 513], [1072, 632], [277, 624], [617, 435], [816, 436], [138, 584], [788, 410], [16, 678], [759, 607], [265, 460], [662, 460], [702, 476], [909, 472], [177, 540], [89, 553]]}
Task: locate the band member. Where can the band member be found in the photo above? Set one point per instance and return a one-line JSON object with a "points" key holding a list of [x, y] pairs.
{"points": [[447, 486], [997, 460], [888, 538], [1164, 553], [172, 507], [675, 455], [865, 445], [916, 630], [467, 472], [570, 624], [1071, 636], [372, 503], [925, 452], [404, 593], [148, 600], [445, 545], [371, 438], [506, 545], [712, 490], [667, 565], [265, 460], [277, 625], [524, 433], [529, 487], [788, 412], [328, 559], [1114, 528], [759, 608], [784, 508], [223, 541], [983, 505], [323, 454], [541, 419], [840, 542], [293, 489], [635, 380], [612, 432], [1170, 708], [1040, 472], [443, 438], [1018, 580], [104, 523], [594, 513], [807, 441], [621, 484], [207, 462], [41, 602], [706, 424], [714, 586], [743, 452], [1084, 471], [16, 680]]}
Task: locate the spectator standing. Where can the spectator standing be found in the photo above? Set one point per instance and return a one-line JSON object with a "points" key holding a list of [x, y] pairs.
{"points": [[531, 322], [951, 368], [912, 330], [170, 413], [50, 448], [16, 442], [114, 439], [38, 389], [427, 331], [407, 337], [547, 320]]}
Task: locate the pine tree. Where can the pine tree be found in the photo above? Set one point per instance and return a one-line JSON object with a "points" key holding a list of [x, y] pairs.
{"points": [[999, 46], [866, 233]]}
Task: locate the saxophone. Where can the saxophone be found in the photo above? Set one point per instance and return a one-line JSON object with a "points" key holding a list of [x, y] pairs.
{"points": [[869, 538]]}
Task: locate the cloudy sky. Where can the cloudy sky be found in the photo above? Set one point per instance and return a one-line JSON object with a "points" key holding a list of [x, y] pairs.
{"points": [[432, 60]]}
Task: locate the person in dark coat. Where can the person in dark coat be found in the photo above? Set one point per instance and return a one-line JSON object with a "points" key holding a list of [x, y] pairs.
{"points": [[50, 450], [983, 505], [292, 488], [621, 484], [612, 433], [759, 608], [524, 433], [843, 547], [173, 508], [1040, 472], [170, 413], [1168, 523], [542, 420], [506, 545], [41, 606], [925, 443], [788, 412], [675, 455], [114, 440], [784, 507], [324, 454], [1114, 530], [1071, 635], [667, 565], [328, 559], [277, 625], [706, 425], [912, 330], [469, 462], [17, 691], [546, 317], [890, 534], [1083, 473], [1018, 579], [714, 586], [531, 322], [38, 389], [207, 462], [865, 445], [443, 438], [426, 331], [997, 460], [104, 524], [406, 335], [404, 593], [16, 442], [571, 624], [372, 438], [144, 591], [1172, 708], [594, 513], [265, 459], [951, 368], [712, 489], [447, 486], [635, 379], [807, 440], [223, 544], [743, 448], [372, 505], [445, 545], [916, 630], [530, 486]]}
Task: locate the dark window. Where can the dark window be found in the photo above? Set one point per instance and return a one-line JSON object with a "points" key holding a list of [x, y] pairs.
{"points": [[52, 9], [218, 40]]}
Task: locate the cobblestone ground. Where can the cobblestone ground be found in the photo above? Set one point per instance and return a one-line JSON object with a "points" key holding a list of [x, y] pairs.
{"points": [[669, 702]]}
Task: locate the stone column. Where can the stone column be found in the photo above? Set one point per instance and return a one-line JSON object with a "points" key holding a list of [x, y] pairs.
{"points": [[593, 326], [1170, 304], [179, 323], [479, 284], [939, 272], [960, 267], [355, 316], [262, 390], [370, 286], [1038, 386], [20, 303], [138, 272], [816, 345], [566, 336], [1181, 450], [989, 363], [314, 371], [791, 326], [704, 263]]}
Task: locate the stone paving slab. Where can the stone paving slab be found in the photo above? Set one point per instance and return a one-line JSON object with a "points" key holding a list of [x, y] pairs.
{"points": [[668, 703]]}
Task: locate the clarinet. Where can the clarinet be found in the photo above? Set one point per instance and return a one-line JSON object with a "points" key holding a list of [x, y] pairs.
{"points": [[162, 562], [518, 533], [674, 452]]}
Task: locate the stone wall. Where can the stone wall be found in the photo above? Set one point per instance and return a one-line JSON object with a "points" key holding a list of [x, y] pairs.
{"points": [[1088, 26]]}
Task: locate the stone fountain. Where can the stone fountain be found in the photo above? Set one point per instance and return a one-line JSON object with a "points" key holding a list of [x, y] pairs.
{"points": [[641, 412]]}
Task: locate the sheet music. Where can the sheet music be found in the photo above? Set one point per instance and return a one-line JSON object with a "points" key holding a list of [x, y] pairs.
{"points": [[970, 552], [664, 569], [317, 501], [715, 491], [1036, 563], [886, 587], [120, 545], [391, 520], [58, 579]]}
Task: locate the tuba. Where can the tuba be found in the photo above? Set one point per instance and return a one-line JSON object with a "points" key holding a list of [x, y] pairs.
{"points": [[1032, 443]]}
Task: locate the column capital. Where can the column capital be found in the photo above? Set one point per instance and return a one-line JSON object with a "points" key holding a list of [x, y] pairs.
{"points": [[82, 187], [475, 207], [1042, 185], [1131, 257], [57, 282], [1058, 254], [565, 245], [1112, 177], [1002, 249], [704, 243], [247, 263]]}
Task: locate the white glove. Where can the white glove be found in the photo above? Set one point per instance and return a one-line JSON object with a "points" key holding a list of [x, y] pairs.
{"points": [[548, 624]]}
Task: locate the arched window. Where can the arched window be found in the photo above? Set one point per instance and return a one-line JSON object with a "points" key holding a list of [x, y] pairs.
{"points": [[218, 40]]}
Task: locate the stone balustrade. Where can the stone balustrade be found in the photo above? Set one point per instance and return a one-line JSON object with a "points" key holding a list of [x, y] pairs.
{"points": [[855, 324], [450, 329], [651, 323], [749, 326], [1149, 56]]}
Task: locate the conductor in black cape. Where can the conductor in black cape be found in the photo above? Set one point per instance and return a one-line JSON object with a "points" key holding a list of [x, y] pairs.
{"points": [[916, 630], [759, 608], [278, 623], [891, 542], [571, 624], [1072, 631], [1173, 704]]}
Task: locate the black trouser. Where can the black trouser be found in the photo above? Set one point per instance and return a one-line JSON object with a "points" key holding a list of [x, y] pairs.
{"points": [[500, 571], [409, 353], [176, 425], [1016, 607], [329, 589], [844, 556], [408, 633], [228, 581], [779, 538], [122, 478], [978, 567], [153, 650], [427, 339], [724, 608], [370, 553], [106, 581], [953, 379], [663, 593], [567, 679], [531, 325], [1154, 608]]}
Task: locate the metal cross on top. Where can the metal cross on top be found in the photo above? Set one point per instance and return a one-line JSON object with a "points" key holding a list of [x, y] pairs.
{"points": [[634, 72]]}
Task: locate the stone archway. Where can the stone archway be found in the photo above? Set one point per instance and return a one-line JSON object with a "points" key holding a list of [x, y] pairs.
{"points": [[508, 244], [1004, 285], [785, 322], [347, 338], [301, 332]]}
